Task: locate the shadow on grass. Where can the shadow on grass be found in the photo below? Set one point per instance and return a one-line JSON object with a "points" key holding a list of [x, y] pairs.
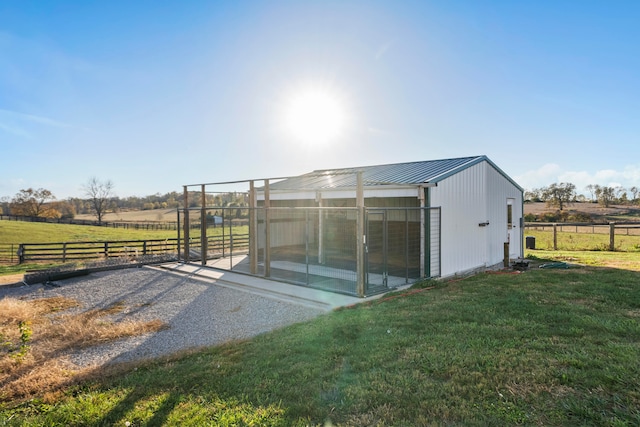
{"points": [[550, 347]]}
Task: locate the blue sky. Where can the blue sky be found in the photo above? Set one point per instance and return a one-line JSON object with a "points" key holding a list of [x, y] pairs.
{"points": [[154, 95]]}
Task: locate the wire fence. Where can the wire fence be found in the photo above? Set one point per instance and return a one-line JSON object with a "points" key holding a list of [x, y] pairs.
{"points": [[317, 247]]}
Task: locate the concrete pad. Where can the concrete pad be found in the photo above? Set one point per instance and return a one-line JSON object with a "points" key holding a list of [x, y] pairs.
{"points": [[269, 288]]}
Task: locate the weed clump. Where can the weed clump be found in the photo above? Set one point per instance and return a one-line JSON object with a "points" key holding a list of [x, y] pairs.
{"points": [[36, 337]]}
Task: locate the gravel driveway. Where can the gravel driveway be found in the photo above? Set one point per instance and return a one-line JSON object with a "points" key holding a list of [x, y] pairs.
{"points": [[199, 312]]}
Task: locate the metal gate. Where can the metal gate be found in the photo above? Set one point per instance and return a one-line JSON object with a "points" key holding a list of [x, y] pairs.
{"points": [[402, 245], [376, 250]]}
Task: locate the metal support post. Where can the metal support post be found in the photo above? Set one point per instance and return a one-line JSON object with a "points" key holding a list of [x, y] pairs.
{"points": [[360, 237], [186, 225]]}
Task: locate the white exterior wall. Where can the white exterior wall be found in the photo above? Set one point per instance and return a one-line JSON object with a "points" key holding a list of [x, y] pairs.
{"points": [[473, 196], [499, 190]]}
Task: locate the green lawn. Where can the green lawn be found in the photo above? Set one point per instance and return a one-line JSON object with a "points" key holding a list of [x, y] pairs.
{"points": [[570, 241], [544, 347], [38, 232], [13, 233]]}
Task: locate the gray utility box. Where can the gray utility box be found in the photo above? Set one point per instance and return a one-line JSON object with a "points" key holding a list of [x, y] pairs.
{"points": [[530, 242]]}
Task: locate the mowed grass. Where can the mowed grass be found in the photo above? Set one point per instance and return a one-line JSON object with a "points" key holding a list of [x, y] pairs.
{"points": [[40, 232], [16, 232], [37, 232], [136, 215], [544, 347], [570, 241], [620, 260]]}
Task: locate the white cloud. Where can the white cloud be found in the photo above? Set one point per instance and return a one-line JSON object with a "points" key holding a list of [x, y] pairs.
{"points": [[551, 173], [541, 177]]}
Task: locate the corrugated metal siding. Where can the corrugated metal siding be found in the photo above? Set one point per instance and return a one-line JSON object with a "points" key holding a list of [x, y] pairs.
{"points": [[462, 198], [499, 190], [400, 173], [468, 198]]}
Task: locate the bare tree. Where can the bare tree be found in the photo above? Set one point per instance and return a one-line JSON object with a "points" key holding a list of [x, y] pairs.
{"points": [[32, 202], [99, 194], [592, 189], [621, 195], [634, 191]]}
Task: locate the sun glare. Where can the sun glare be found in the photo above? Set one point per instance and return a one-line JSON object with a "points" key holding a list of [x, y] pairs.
{"points": [[314, 116]]}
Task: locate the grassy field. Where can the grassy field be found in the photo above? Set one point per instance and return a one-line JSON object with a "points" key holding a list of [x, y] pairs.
{"points": [[14, 232], [140, 215], [38, 232], [543, 347], [571, 241]]}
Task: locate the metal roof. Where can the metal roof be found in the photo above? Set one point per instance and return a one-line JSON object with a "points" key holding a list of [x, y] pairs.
{"points": [[411, 173]]}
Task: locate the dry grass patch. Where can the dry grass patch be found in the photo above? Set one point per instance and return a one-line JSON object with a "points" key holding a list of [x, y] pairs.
{"points": [[37, 336]]}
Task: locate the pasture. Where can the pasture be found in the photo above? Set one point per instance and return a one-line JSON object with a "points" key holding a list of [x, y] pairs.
{"points": [[135, 215], [37, 232]]}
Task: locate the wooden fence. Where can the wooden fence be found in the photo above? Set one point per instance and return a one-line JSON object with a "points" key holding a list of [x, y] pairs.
{"points": [[83, 251], [612, 229], [131, 225], [8, 253], [19, 253]]}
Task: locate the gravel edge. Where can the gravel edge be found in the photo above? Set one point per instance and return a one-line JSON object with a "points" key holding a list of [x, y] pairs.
{"points": [[198, 312]]}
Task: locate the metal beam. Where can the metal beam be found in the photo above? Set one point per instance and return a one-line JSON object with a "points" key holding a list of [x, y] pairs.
{"points": [[360, 238]]}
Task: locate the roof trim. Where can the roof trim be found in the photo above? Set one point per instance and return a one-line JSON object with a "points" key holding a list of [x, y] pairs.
{"points": [[474, 162], [385, 175]]}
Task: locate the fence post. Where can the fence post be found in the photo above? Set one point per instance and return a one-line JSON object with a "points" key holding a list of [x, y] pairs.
{"points": [[360, 236], [144, 247], [612, 236], [253, 229], [267, 229], [224, 235], [203, 227], [505, 257], [186, 225], [178, 245], [64, 252], [106, 249], [555, 236], [20, 253]]}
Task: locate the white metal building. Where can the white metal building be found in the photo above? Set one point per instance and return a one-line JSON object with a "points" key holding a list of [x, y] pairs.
{"points": [[481, 207], [365, 230]]}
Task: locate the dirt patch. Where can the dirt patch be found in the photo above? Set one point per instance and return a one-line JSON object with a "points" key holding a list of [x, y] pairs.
{"points": [[10, 279]]}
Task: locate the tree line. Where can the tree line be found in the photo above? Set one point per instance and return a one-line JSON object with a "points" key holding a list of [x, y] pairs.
{"points": [[561, 194], [100, 199]]}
